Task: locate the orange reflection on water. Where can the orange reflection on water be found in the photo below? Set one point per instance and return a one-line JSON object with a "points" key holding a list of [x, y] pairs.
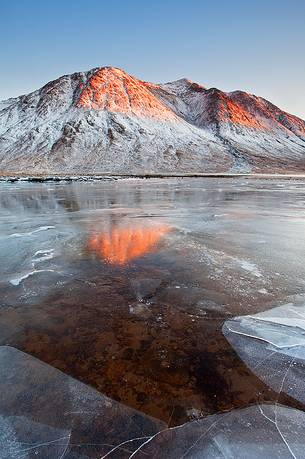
{"points": [[119, 246]]}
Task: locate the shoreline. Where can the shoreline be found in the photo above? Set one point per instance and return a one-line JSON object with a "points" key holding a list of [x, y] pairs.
{"points": [[40, 178]]}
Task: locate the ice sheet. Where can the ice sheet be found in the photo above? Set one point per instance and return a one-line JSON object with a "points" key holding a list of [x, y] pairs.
{"points": [[262, 431], [45, 414], [272, 344]]}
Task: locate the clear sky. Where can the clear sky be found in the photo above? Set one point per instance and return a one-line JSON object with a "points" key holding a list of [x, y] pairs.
{"points": [[253, 45]]}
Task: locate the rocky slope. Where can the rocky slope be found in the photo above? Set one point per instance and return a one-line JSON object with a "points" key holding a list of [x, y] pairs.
{"points": [[105, 120]]}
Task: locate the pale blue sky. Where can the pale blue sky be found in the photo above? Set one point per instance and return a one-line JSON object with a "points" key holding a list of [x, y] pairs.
{"points": [[256, 46]]}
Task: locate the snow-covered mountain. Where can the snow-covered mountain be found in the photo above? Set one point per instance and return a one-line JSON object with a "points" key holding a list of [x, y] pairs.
{"points": [[105, 120]]}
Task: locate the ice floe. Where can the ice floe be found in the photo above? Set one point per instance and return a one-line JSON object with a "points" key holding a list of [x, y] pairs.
{"points": [[261, 431], [45, 414], [272, 345]]}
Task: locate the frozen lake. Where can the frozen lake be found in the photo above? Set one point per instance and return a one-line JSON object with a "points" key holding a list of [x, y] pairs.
{"points": [[125, 285]]}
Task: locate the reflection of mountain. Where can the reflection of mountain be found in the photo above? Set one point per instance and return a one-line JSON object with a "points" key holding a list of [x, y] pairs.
{"points": [[119, 246]]}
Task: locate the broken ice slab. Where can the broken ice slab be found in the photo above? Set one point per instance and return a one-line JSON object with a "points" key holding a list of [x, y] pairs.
{"points": [[272, 345], [262, 431], [45, 414]]}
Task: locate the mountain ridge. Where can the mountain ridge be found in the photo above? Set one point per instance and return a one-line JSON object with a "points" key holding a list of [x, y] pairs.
{"points": [[106, 119]]}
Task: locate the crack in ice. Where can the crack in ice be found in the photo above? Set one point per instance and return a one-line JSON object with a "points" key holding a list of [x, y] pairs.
{"points": [[30, 233]]}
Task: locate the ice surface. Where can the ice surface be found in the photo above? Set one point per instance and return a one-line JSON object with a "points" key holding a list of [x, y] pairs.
{"points": [[21, 437], [147, 331], [45, 414], [262, 431], [272, 344]]}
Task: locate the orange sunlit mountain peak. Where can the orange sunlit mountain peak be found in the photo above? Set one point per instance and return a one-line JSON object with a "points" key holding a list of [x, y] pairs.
{"points": [[120, 246], [112, 89]]}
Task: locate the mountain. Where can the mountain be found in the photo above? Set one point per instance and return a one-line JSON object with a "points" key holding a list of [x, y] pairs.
{"points": [[105, 120]]}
